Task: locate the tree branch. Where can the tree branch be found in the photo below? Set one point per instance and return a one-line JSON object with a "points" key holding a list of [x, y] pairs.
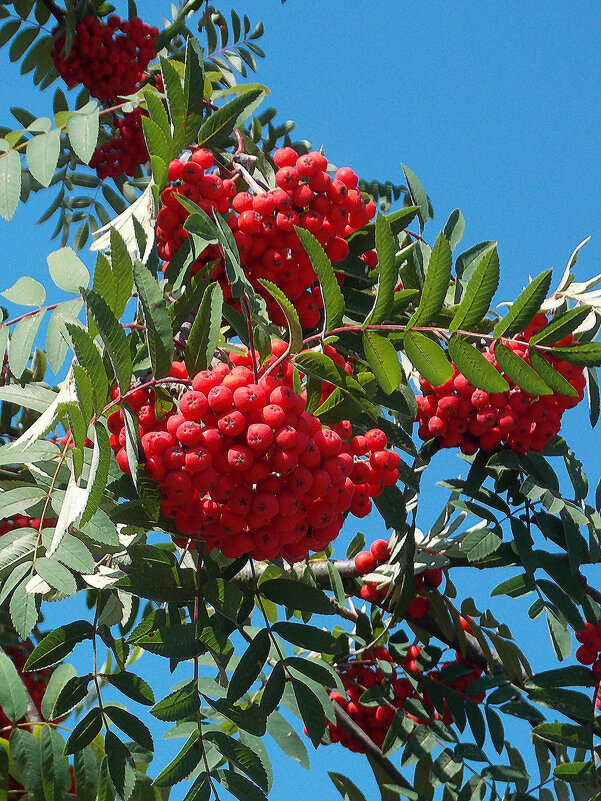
{"points": [[55, 10], [32, 715]]}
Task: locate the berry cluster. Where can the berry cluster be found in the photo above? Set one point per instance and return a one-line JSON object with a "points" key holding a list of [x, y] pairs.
{"points": [[35, 681], [379, 552], [20, 521], [263, 223], [458, 414], [108, 59], [375, 720], [243, 467], [125, 151], [589, 653]]}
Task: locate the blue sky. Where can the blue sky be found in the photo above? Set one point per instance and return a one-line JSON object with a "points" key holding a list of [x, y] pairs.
{"points": [[495, 107]]}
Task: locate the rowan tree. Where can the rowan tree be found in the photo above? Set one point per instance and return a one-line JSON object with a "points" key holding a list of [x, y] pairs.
{"points": [[268, 349]]}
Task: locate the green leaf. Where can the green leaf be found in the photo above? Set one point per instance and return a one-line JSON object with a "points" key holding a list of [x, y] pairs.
{"points": [[221, 125], [113, 337], [159, 335], [183, 764], [320, 366], [67, 270], [130, 725], [10, 183], [90, 359], [436, 284], [526, 305], [20, 499], [472, 364], [58, 679], [23, 610], [455, 228], [567, 702], [560, 326], [240, 755], [82, 129], [72, 694], [386, 248], [26, 291], [520, 372], [25, 750], [550, 375], [306, 636], [32, 396], [85, 731], [99, 471], [13, 698], [56, 778], [478, 293], [178, 705], [157, 141], [332, 294], [418, 195], [56, 575], [383, 360], [576, 772], [42, 155], [121, 765], [122, 272], [239, 786], [297, 595], [58, 643], [250, 665], [86, 772], [204, 333], [287, 739], [175, 96], [346, 788], [250, 719], [21, 342], [311, 711], [295, 332], [587, 354], [564, 734], [193, 85], [569, 676], [132, 686], [428, 358]]}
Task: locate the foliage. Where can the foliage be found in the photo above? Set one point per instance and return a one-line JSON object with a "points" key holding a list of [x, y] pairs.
{"points": [[269, 640]]}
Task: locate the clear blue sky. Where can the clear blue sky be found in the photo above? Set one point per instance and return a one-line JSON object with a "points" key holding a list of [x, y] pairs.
{"points": [[496, 108]]}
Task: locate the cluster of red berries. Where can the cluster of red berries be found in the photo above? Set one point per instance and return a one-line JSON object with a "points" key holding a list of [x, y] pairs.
{"points": [[124, 152], [263, 223], [458, 414], [590, 650], [108, 59], [243, 467], [375, 720], [35, 681], [379, 552], [20, 521]]}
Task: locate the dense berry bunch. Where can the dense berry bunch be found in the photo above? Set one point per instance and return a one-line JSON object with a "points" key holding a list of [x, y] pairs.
{"points": [[125, 151], [589, 653], [458, 414], [375, 720], [108, 59], [20, 521], [379, 552], [263, 223], [243, 467], [35, 682]]}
